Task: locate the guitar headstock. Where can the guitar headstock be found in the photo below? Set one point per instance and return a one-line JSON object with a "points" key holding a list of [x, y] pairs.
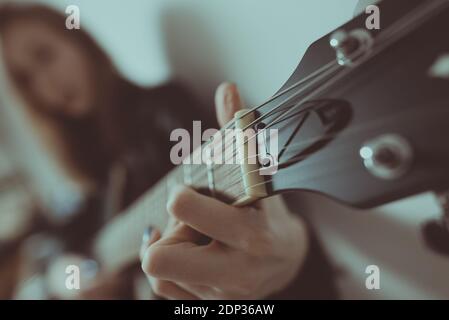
{"points": [[365, 125]]}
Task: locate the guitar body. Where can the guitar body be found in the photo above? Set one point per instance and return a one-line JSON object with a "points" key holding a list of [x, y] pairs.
{"points": [[392, 93]]}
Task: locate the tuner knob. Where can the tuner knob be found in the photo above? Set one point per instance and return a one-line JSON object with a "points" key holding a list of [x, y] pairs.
{"points": [[387, 157], [350, 46], [341, 40]]}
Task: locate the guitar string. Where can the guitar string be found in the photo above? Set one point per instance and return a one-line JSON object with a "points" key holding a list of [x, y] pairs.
{"points": [[222, 166], [406, 21], [272, 110], [301, 179], [348, 135], [316, 163], [256, 109], [384, 34], [234, 153], [382, 46]]}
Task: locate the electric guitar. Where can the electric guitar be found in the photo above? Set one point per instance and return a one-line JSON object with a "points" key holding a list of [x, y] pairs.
{"points": [[363, 120]]}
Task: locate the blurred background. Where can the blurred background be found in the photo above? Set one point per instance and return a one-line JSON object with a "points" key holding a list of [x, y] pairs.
{"points": [[151, 43]]}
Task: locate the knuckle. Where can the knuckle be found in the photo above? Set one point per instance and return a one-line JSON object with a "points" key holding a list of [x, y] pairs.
{"points": [[259, 237], [153, 262], [178, 202], [259, 243]]}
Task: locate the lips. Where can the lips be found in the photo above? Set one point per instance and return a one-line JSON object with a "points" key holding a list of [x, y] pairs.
{"points": [[69, 96], [69, 105]]}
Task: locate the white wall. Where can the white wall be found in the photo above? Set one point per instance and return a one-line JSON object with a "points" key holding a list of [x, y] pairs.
{"points": [[256, 43]]}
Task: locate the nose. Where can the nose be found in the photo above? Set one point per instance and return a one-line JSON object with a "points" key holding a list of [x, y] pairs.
{"points": [[45, 87]]}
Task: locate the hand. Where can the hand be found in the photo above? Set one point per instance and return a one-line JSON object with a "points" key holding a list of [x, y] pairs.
{"points": [[253, 252]]}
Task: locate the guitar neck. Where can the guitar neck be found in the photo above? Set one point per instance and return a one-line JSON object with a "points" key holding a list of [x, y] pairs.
{"points": [[118, 243]]}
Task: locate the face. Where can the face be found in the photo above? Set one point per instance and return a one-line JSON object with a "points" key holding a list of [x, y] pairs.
{"points": [[52, 70]]}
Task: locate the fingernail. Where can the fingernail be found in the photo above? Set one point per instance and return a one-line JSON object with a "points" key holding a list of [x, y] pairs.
{"points": [[229, 93], [89, 269], [223, 87], [232, 86], [147, 235], [222, 92], [232, 98]]}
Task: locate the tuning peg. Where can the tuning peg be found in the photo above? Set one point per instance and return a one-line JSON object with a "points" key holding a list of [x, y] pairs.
{"points": [[339, 39], [350, 46], [388, 156]]}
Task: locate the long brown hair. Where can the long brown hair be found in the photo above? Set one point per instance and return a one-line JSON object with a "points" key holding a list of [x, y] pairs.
{"points": [[94, 142]]}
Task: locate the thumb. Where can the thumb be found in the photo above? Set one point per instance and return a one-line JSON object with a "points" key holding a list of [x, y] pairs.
{"points": [[227, 102]]}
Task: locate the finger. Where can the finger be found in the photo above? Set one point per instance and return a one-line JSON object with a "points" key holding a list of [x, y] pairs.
{"points": [[171, 224], [180, 233], [149, 237], [202, 292], [230, 225], [227, 102], [163, 288], [169, 290], [186, 262], [183, 233]]}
